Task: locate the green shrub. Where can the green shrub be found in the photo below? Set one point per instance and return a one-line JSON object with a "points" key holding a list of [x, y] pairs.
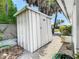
{"points": [[62, 28], [66, 30], [77, 56], [57, 30], [6, 17]]}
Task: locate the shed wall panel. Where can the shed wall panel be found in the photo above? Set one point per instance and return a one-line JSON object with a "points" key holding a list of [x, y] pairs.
{"points": [[18, 25], [43, 25], [28, 30], [33, 30], [38, 30], [24, 30], [49, 30], [20, 30]]}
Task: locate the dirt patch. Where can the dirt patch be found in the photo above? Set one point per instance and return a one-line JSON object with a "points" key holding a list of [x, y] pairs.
{"points": [[11, 53], [67, 49]]}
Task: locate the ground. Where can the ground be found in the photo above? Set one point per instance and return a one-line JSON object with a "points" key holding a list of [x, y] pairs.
{"points": [[11, 53], [46, 52], [66, 49]]}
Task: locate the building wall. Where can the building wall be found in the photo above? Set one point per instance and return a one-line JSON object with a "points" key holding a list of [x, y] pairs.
{"points": [[77, 4], [67, 8], [74, 28], [71, 10]]}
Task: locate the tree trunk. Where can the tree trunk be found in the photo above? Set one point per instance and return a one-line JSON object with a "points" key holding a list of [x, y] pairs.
{"points": [[55, 21]]}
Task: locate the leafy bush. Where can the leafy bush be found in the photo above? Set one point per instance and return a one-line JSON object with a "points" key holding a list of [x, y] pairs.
{"points": [[4, 17], [57, 30], [62, 28], [66, 30], [77, 56]]}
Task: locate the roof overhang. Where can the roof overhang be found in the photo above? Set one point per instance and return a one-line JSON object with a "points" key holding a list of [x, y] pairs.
{"points": [[29, 8], [67, 7]]}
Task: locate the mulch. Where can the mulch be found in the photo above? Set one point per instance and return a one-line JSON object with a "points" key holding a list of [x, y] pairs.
{"points": [[11, 53]]}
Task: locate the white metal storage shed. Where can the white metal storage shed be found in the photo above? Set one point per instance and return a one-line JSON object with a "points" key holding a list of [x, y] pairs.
{"points": [[33, 29]]}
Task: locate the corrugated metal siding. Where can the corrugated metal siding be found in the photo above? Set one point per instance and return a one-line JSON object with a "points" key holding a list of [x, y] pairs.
{"points": [[49, 30], [43, 32], [38, 30], [33, 29]]}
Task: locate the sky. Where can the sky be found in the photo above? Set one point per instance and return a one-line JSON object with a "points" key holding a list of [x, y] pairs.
{"points": [[20, 4], [59, 17]]}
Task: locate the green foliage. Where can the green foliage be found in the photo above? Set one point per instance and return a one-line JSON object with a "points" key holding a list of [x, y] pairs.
{"points": [[62, 28], [59, 21], [57, 30], [7, 19], [66, 30], [77, 56], [62, 56]]}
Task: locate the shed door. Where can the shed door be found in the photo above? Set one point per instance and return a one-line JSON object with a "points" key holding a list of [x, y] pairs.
{"points": [[44, 31]]}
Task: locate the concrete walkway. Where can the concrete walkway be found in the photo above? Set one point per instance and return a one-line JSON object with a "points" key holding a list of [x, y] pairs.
{"points": [[46, 52]]}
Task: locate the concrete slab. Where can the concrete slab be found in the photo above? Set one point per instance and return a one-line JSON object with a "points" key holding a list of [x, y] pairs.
{"points": [[45, 52]]}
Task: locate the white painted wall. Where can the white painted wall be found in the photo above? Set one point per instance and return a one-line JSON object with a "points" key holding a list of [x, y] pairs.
{"points": [[77, 24], [69, 6], [74, 29], [62, 7], [71, 10], [33, 30]]}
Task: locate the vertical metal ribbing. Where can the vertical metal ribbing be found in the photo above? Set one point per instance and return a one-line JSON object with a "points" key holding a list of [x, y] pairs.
{"points": [[47, 30], [31, 31], [34, 30], [24, 30], [28, 30], [22, 37], [20, 30], [30, 34], [18, 26], [38, 31], [36, 15]]}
